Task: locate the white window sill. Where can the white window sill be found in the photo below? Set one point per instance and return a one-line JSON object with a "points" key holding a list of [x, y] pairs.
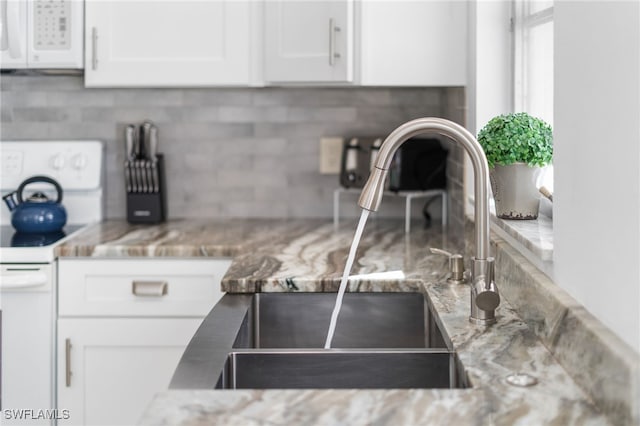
{"points": [[532, 238]]}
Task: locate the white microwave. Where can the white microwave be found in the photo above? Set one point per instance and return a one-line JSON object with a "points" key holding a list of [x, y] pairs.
{"points": [[42, 34]]}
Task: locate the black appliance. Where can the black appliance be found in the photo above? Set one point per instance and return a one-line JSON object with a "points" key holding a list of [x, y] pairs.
{"points": [[419, 164], [358, 155]]}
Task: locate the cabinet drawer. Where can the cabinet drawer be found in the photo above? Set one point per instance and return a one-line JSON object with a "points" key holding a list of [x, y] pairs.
{"points": [[139, 287]]}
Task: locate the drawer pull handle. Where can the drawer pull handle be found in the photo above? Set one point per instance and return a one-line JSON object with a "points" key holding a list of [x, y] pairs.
{"points": [[67, 361], [149, 288]]}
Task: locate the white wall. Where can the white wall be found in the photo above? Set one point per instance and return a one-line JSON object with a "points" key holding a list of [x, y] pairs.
{"points": [[597, 144], [489, 89], [597, 159], [489, 68]]}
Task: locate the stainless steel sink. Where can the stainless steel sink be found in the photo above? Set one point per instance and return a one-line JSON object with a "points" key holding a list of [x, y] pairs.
{"points": [[279, 369], [367, 320], [275, 341]]}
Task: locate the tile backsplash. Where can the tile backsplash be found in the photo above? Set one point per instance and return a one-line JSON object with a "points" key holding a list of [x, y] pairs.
{"points": [[241, 152]]}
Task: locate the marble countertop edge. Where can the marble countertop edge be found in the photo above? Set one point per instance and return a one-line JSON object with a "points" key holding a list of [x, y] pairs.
{"points": [[306, 255]]}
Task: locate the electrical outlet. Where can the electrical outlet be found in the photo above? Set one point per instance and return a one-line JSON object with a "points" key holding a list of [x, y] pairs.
{"points": [[330, 155]]}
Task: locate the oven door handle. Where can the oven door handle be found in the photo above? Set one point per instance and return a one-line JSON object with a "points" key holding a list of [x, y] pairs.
{"points": [[16, 281]]}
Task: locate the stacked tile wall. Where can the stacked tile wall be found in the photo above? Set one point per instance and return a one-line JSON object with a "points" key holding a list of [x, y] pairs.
{"points": [[236, 152]]}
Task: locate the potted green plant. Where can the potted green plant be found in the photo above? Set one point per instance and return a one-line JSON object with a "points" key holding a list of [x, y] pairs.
{"points": [[517, 146]]}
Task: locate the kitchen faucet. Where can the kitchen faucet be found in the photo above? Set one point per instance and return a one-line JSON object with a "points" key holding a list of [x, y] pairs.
{"points": [[484, 293]]}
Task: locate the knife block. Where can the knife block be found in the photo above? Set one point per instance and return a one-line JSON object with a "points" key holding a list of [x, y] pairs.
{"points": [[149, 207]]}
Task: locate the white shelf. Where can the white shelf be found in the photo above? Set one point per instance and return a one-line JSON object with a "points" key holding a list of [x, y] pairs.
{"points": [[408, 195]]}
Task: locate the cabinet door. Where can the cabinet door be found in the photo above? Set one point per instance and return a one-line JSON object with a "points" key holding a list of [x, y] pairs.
{"points": [[413, 43], [309, 41], [116, 366], [167, 43]]}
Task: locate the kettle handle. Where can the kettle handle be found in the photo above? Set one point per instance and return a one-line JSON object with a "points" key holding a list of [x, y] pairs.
{"points": [[39, 179]]}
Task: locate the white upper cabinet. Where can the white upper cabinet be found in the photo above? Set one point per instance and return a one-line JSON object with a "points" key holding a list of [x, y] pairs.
{"points": [[413, 43], [169, 43], [308, 41], [200, 43]]}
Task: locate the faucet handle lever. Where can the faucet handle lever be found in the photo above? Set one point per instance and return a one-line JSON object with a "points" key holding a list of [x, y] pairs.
{"points": [[456, 265]]}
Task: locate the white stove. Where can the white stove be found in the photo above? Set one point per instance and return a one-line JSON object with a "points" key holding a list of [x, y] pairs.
{"points": [[28, 270], [32, 248], [75, 165]]}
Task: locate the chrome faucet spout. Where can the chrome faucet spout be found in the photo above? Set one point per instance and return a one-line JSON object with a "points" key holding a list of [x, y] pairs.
{"points": [[484, 293]]}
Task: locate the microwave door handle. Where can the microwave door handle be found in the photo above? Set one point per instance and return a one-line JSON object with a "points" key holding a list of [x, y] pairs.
{"points": [[3, 25], [13, 28]]}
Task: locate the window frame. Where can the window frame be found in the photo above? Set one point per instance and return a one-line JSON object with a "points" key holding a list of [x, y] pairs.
{"points": [[521, 22]]}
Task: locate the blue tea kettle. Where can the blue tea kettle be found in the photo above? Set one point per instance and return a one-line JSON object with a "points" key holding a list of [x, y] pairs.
{"points": [[37, 214]]}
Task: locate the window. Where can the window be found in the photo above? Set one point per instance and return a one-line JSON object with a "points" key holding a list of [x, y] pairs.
{"points": [[533, 63]]}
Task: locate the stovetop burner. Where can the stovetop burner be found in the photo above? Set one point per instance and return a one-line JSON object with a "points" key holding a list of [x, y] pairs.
{"points": [[10, 238]]}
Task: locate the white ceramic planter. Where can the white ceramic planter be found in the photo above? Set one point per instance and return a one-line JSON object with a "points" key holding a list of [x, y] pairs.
{"points": [[515, 191]]}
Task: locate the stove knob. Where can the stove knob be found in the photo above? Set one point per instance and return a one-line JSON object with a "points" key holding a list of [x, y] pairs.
{"points": [[57, 161], [79, 161]]}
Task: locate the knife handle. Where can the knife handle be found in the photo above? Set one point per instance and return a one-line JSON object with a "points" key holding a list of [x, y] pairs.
{"points": [[141, 143], [135, 174], [147, 126], [127, 176], [128, 137], [156, 179], [136, 142], [153, 143]]}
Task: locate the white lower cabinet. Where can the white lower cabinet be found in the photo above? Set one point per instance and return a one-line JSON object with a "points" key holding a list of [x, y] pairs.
{"points": [[109, 369], [122, 328]]}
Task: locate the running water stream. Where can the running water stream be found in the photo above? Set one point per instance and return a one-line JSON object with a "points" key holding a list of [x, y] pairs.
{"points": [[345, 277]]}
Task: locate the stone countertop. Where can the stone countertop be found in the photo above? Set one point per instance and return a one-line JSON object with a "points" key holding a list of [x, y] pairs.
{"points": [[535, 235], [182, 238], [275, 254], [308, 255]]}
